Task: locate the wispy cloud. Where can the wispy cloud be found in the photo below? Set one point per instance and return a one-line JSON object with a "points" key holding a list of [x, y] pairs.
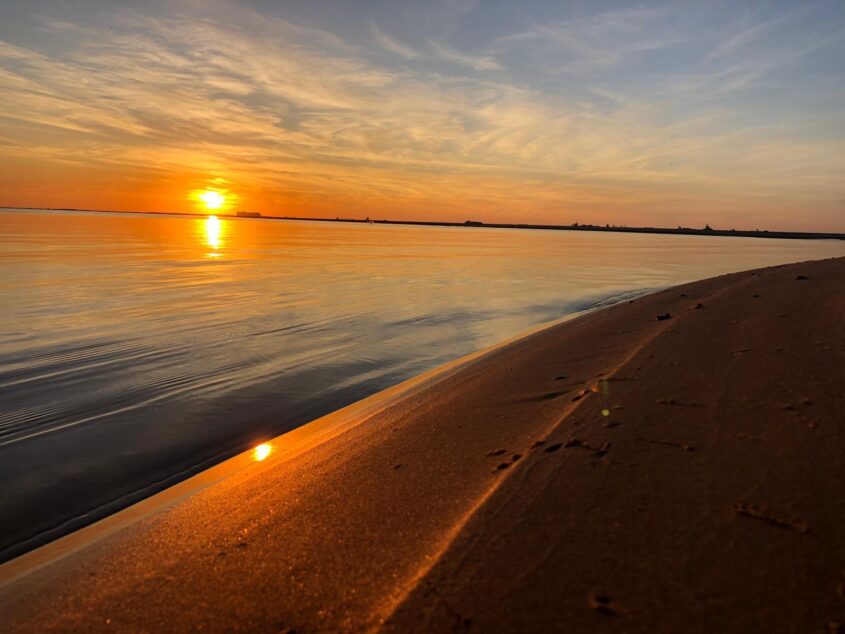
{"points": [[432, 51], [478, 62], [595, 41], [391, 45], [749, 31]]}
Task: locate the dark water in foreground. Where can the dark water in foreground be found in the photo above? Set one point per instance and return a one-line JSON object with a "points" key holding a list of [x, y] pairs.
{"points": [[136, 350]]}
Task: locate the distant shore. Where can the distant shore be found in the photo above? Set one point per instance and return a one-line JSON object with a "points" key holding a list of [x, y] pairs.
{"points": [[685, 231], [672, 463]]}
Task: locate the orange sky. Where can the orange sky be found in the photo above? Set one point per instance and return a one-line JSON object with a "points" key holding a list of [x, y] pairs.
{"points": [[637, 116]]}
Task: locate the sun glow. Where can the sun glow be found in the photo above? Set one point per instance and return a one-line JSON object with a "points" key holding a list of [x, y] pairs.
{"points": [[212, 199], [262, 451]]}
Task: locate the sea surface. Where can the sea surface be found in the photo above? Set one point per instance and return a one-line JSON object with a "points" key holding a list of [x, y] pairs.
{"points": [[137, 349]]}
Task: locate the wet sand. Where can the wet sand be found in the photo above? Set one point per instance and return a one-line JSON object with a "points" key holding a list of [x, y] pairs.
{"points": [[617, 472]]}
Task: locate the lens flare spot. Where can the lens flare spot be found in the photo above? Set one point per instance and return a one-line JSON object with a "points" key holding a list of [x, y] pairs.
{"points": [[605, 412], [262, 451]]}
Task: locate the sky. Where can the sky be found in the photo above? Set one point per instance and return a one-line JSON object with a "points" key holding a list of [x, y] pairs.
{"points": [[657, 113]]}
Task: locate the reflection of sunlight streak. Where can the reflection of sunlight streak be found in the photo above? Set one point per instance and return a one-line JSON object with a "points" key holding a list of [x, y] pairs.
{"points": [[212, 232], [262, 451]]}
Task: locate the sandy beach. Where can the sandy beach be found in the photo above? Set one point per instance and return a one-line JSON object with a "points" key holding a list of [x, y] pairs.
{"points": [[669, 464]]}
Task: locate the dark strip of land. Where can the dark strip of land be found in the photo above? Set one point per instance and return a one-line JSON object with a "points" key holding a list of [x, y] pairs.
{"points": [[684, 231]]}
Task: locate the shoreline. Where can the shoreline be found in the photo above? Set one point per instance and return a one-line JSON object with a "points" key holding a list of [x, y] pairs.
{"points": [[616, 470], [284, 445], [680, 231]]}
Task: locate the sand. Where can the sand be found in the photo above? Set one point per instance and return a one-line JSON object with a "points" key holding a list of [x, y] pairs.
{"points": [[617, 472]]}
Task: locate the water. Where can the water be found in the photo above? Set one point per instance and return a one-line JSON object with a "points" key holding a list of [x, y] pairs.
{"points": [[135, 350]]}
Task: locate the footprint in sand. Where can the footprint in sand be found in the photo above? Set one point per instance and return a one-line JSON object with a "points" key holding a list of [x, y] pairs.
{"points": [[665, 443], [602, 603], [581, 394], [575, 442], [549, 396], [673, 401], [764, 515], [504, 465]]}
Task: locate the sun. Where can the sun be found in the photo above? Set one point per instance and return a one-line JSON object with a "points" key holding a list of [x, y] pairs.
{"points": [[212, 199]]}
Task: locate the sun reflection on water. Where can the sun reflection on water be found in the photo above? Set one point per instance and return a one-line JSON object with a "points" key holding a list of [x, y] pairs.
{"points": [[262, 451], [213, 231]]}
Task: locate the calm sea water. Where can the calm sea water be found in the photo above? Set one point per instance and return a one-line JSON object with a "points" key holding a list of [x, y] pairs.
{"points": [[135, 349]]}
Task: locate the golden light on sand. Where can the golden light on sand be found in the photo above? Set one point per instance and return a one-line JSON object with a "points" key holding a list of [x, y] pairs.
{"points": [[212, 232], [212, 199], [262, 451]]}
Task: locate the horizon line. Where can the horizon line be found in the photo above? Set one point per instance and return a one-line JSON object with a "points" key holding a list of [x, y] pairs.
{"points": [[478, 224]]}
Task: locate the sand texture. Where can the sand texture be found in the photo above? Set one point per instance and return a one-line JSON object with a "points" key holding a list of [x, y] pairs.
{"points": [[616, 473]]}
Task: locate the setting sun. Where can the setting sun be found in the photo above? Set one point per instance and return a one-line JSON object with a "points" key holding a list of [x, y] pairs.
{"points": [[212, 199]]}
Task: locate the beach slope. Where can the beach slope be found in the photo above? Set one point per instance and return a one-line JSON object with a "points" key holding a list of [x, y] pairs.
{"points": [[675, 463]]}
